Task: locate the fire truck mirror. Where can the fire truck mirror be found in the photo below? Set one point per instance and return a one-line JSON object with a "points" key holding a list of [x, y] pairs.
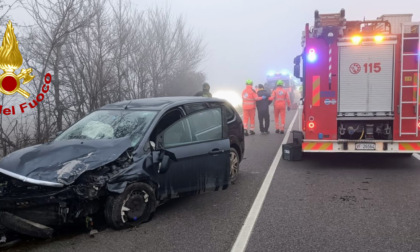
{"points": [[296, 69], [296, 60]]}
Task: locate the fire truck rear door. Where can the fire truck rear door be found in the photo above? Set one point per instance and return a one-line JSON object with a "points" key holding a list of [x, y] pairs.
{"points": [[366, 77]]}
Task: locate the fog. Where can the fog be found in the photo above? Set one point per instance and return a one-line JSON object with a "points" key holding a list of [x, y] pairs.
{"points": [[100, 52], [246, 39]]}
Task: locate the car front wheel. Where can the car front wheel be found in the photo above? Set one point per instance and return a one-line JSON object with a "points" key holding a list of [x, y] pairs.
{"points": [[234, 165], [132, 207]]}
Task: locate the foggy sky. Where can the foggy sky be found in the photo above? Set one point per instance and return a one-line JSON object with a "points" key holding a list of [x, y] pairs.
{"points": [[246, 39]]}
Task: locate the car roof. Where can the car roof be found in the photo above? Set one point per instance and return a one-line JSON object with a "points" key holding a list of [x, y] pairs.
{"points": [[158, 103]]}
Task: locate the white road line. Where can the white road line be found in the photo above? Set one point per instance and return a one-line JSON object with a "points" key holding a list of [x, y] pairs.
{"points": [[416, 155], [246, 230]]}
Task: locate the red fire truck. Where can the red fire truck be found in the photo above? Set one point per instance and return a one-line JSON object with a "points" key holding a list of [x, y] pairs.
{"points": [[361, 84]]}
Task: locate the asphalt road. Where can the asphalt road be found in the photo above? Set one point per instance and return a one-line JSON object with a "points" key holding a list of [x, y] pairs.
{"points": [[324, 203]]}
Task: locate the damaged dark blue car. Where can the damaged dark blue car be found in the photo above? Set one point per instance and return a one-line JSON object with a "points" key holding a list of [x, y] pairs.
{"points": [[123, 161]]}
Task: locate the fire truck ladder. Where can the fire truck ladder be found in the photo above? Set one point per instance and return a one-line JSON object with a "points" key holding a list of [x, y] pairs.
{"points": [[413, 29]]}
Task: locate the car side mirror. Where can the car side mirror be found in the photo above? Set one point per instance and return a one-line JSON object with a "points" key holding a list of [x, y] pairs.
{"points": [[155, 157], [152, 145], [164, 165], [163, 159]]}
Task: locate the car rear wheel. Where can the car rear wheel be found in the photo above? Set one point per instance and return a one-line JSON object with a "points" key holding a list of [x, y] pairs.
{"points": [[132, 207], [234, 165]]}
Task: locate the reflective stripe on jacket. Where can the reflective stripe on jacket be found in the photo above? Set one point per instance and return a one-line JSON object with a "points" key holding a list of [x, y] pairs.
{"points": [[249, 97], [280, 96]]}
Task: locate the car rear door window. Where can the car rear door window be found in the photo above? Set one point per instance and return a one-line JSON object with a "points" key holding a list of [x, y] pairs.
{"points": [[205, 125], [230, 114]]}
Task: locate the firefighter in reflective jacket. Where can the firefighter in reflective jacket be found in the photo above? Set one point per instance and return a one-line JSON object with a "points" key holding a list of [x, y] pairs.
{"points": [[280, 97], [249, 97]]}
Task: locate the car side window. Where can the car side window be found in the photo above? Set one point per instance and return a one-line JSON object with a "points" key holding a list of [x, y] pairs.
{"points": [[194, 107], [166, 121], [205, 125], [177, 134], [230, 114], [229, 110]]}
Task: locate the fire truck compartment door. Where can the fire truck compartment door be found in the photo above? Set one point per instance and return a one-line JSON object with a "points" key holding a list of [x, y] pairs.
{"points": [[366, 79]]}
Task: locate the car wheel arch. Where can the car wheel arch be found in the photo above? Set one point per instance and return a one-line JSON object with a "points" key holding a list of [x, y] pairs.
{"points": [[238, 150], [118, 188]]}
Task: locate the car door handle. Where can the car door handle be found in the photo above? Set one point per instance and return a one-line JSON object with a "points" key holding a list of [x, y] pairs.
{"points": [[216, 151]]}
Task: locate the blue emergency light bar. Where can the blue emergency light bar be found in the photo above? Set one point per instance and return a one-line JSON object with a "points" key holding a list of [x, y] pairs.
{"points": [[311, 56]]}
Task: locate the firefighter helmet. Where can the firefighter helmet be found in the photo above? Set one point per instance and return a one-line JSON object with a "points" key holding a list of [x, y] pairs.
{"points": [[280, 83], [249, 82]]}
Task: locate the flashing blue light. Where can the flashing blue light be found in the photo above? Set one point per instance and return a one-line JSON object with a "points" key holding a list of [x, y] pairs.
{"points": [[271, 73], [312, 57], [320, 135]]}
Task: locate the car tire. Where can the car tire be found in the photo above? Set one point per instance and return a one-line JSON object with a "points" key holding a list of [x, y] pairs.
{"points": [[134, 206], [234, 165]]}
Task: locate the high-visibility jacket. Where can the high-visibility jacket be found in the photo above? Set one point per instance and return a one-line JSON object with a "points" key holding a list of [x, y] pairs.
{"points": [[249, 97], [280, 96]]}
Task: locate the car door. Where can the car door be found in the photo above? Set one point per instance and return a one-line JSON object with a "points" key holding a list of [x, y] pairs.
{"points": [[201, 150]]}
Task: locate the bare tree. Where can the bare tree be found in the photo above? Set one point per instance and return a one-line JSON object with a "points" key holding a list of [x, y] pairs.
{"points": [[55, 22], [99, 52], [89, 70], [172, 49]]}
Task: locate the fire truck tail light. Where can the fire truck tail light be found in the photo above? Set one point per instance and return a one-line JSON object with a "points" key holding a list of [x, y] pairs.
{"points": [[311, 125], [356, 40], [378, 38], [311, 55], [418, 125]]}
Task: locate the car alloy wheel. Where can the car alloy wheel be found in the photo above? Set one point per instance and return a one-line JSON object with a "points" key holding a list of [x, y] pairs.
{"points": [[234, 164]]}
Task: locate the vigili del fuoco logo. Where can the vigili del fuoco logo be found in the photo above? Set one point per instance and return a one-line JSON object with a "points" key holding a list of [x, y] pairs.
{"points": [[10, 60]]}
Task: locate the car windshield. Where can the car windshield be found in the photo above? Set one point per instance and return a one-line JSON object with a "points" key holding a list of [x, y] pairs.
{"points": [[110, 124]]}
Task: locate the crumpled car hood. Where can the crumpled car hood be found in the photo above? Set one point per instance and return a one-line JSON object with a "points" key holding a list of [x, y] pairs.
{"points": [[62, 161]]}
